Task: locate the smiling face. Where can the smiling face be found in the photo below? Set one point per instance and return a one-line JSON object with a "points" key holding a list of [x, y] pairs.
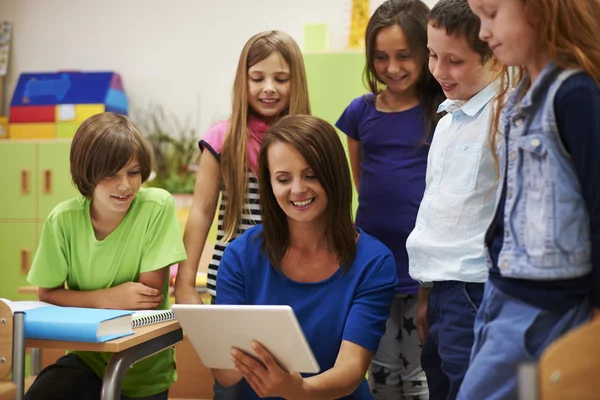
{"points": [[456, 66], [295, 186], [505, 28], [269, 86], [113, 194], [394, 63]]}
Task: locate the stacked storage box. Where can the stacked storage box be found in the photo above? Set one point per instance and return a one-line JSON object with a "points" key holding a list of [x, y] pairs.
{"points": [[53, 105]]}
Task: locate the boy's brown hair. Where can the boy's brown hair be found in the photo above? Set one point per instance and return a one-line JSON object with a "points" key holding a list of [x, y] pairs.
{"points": [[102, 146], [457, 18]]}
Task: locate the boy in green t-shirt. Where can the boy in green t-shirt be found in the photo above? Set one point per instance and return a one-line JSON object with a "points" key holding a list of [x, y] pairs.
{"points": [[110, 248]]}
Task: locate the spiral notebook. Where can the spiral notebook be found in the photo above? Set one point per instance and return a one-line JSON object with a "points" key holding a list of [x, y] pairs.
{"points": [[143, 318]]}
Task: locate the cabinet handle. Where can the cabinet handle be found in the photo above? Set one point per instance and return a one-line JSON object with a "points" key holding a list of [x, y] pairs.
{"points": [[25, 261], [25, 181], [47, 181]]}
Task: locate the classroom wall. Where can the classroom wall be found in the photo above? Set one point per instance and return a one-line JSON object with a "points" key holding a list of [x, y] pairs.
{"points": [[181, 54]]}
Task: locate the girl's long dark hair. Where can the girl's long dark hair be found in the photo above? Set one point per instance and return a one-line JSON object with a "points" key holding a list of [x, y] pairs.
{"points": [[411, 16]]}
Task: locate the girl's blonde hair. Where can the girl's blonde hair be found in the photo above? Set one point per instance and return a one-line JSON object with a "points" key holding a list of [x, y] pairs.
{"points": [[234, 156], [569, 31]]}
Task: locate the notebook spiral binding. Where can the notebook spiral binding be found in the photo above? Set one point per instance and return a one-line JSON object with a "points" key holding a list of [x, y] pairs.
{"points": [[152, 318]]}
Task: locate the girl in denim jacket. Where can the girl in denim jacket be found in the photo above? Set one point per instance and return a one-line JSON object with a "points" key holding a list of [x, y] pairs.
{"points": [[545, 239]]}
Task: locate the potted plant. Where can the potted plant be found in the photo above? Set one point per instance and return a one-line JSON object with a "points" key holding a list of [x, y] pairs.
{"points": [[175, 149]]}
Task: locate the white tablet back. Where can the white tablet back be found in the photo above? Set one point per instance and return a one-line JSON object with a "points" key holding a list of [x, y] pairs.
{"points": [[214, 329]]}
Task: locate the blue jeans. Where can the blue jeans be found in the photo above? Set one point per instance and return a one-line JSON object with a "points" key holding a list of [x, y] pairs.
{"points": [[451, 316], [509, 332], [233, 392]]}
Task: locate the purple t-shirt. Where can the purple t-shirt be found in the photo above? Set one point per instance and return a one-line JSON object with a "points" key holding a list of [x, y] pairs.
{"points": [[392, 178]]}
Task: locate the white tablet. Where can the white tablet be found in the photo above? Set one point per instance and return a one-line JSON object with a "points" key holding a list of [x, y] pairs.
{"points": [[214, 329]]}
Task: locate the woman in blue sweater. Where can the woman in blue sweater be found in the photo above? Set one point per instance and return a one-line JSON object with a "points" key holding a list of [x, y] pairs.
{"points": [[307, 254]]}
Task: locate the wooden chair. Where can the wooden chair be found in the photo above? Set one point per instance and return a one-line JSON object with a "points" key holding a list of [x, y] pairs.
{"points": [[8, 389], [568, 369]]}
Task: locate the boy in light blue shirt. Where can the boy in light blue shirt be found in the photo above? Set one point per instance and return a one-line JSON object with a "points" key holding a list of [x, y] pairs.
{"points": [[446, 249]]}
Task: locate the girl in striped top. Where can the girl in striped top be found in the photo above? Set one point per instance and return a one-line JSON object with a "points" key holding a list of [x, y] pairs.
{"points": [[270, 82]]}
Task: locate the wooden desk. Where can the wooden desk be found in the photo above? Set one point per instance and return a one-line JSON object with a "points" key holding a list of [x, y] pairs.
{"points": [[141, 335], [28, 290], [146, 341]]}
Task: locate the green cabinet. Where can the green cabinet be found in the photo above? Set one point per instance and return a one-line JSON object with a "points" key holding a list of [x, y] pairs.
{"points": [[18, 241], [35, 178], [334, 80], [54, 183], [18, 180]]}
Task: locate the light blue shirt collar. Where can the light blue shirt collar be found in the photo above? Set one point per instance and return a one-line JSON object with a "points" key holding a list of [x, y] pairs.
{"points": [[474, 105]]}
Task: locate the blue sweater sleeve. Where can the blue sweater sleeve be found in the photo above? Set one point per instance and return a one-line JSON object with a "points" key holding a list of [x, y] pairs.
{"points": [[577, 106], [370, 308]]}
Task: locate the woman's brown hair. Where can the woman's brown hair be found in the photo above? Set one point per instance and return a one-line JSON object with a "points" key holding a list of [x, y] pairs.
{"points": [[319, 144]]}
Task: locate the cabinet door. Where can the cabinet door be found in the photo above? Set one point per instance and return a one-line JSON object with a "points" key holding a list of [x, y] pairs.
{"points": [[55, 183], [17, 246], [18, 180]]}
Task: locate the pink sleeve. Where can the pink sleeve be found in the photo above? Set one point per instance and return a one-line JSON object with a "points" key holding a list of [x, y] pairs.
{"points": [[214, 138]]}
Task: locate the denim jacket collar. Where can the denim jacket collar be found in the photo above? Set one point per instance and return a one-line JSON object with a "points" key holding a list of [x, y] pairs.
{"points": [[527, 99]]}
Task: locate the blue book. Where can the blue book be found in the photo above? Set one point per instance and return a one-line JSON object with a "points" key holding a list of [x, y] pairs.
{"points": [[77, 324]]}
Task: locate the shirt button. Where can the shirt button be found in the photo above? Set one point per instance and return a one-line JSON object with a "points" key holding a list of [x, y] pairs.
{"points": [[464, 147], [456, 119], [506, 233], [509, 194], [504, 265], [535, 142], [512, 156], [431, 191]]}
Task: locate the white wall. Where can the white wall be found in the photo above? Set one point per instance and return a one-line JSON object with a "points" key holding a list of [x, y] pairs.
{"points": [[179, 53]]}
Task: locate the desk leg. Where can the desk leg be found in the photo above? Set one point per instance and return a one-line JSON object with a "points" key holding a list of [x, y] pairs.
{"points": [[18, 363], [120, 362], [35, 361]]}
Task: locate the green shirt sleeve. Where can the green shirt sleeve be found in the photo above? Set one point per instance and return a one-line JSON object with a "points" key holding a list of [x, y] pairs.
{"points": [[50, 266], [164, 245]]}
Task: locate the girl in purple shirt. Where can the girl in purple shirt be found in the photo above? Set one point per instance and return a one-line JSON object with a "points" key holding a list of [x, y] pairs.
{"points": [[388, 130]]}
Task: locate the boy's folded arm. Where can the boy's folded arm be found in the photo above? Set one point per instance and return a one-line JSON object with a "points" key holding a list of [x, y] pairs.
{"points": [[155, 279], [126, 296], [61, 296]]}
